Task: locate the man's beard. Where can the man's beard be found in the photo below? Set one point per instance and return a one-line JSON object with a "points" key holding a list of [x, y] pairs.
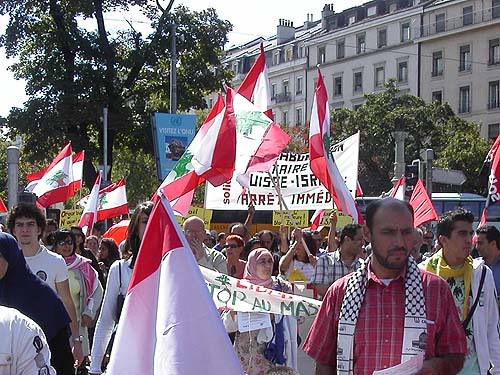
{"points": [[386, 263]]}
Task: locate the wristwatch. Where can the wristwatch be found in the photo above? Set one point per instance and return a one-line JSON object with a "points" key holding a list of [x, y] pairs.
{"points": [[78, 339]]}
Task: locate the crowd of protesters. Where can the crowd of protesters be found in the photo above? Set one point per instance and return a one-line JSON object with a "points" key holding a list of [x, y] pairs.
{"points": [[373, 279]]}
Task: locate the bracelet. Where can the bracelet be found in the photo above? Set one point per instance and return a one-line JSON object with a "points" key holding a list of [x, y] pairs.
{"points": [[78, 339]]}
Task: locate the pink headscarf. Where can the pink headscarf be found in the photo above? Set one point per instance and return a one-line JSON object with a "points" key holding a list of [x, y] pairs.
{"points": [[89, 274], [250, 273]]}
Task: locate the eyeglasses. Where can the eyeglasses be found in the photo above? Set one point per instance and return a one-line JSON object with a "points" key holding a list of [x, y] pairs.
{"points": [[428, 237], [67, 242], [232, 245], [193, 232]]}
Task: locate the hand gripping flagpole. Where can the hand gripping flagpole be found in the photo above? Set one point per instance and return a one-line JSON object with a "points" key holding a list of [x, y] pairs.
{"points": [[292, 219]]}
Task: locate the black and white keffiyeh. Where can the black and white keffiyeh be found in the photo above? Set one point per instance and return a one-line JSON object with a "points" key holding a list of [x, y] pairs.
{"points": [[415, 328]]}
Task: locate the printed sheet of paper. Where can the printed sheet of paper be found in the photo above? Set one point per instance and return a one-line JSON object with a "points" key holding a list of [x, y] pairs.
{"points": [[410, 367], [253, 321]]}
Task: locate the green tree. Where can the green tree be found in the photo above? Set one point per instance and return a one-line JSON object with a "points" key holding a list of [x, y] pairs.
{"points": [[72, 72], [456, 141]]}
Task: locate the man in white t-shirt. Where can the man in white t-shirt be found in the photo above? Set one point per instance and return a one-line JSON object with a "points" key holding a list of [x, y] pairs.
{"points": [[27, 223]]}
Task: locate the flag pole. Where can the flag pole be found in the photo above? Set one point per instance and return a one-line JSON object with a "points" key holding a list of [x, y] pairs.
{"points": [[280, 201], [292, 219]]}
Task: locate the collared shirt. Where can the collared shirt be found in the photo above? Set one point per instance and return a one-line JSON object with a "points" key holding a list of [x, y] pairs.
{"points": [[495, 268], [331, 268], [213, 260], [379, 330]]}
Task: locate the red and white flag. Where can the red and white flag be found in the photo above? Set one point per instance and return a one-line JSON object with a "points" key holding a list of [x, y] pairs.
{"points": [[169, 320], [112, 201], [89, 214], [78, 169], [423, 209], [56, 183], [260, 141], [320, 158], [398, 191], [3, 208], [210, 156], [316, 218]]}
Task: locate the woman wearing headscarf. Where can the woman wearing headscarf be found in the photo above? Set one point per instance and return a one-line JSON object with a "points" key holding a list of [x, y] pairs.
{"points": [[86, 252], [26, 292], [117, 285], [262, 349], [84, 285]]}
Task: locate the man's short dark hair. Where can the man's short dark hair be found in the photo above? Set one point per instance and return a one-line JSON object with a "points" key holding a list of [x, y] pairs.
{"points": [[350, 231], [374, 206], [491, 232], [29, 211], [447, 221]]}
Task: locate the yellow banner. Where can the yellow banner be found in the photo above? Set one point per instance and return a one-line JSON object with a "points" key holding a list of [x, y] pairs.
{"points": [[300, 216], [342, 221], [70, 218], [205, 215]]}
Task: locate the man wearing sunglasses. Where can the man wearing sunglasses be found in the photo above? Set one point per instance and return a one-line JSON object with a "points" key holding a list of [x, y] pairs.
{"points": [[27, 223]]}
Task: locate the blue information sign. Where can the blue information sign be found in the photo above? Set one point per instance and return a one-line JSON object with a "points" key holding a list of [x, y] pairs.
{"points": [[172, 134]]}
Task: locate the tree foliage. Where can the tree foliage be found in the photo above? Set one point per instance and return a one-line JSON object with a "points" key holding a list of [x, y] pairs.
{"points": [[456, 141], [72, 72]]}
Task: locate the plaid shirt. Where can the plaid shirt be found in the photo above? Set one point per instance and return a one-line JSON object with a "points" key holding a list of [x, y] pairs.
{"points": [[379, 331], [331, 268]]}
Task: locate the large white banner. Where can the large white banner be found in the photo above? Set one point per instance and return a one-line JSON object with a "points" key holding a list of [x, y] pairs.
{"points": [[299, 187], [233, 294]]}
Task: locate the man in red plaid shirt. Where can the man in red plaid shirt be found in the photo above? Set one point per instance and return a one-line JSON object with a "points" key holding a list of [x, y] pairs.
{"points": [[388, 311]]}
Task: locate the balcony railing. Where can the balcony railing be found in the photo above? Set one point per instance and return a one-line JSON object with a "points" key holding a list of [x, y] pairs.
{"points": [[282, 98], [474, 18]]}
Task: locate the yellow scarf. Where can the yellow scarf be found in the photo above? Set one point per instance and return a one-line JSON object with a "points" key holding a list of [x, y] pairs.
{"points": [[438, 266]]}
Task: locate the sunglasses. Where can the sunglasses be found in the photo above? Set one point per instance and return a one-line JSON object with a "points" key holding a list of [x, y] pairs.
{"points": [[67, 242], [232, 245]]}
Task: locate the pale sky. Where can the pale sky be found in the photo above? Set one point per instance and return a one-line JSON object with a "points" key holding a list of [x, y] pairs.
{"points": [[250, 20]]}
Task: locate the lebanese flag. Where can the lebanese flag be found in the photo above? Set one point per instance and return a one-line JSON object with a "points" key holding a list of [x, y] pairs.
{"points": [[255, 86], [56, 184], [3, 208], [112, 201], [89, 213], [78, 169], [423, 209], [398, 191], [316, 218], [493, 180], [210, 156], [261, 154], [169, 320], [320, 158]]}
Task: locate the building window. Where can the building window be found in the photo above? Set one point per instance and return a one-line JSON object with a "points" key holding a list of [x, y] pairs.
{"points": [[235, 66], [403, 71], [464, 100], [494, 51], [337, 86], [340, 49], [494, 95], [289, 54], [437, 96], [440, 23], [495, 5], [382, 38], [465, 58], [360, 44], [437, 64], [286, 87], [298, 116], [285, 117], [273, 90], [298, 85], [301, 52], [276, 58], [371, 11], [405, 32], [379, 76], [321, 55], [467, 16], [493, 131], [352, 19], [358, 82]]}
